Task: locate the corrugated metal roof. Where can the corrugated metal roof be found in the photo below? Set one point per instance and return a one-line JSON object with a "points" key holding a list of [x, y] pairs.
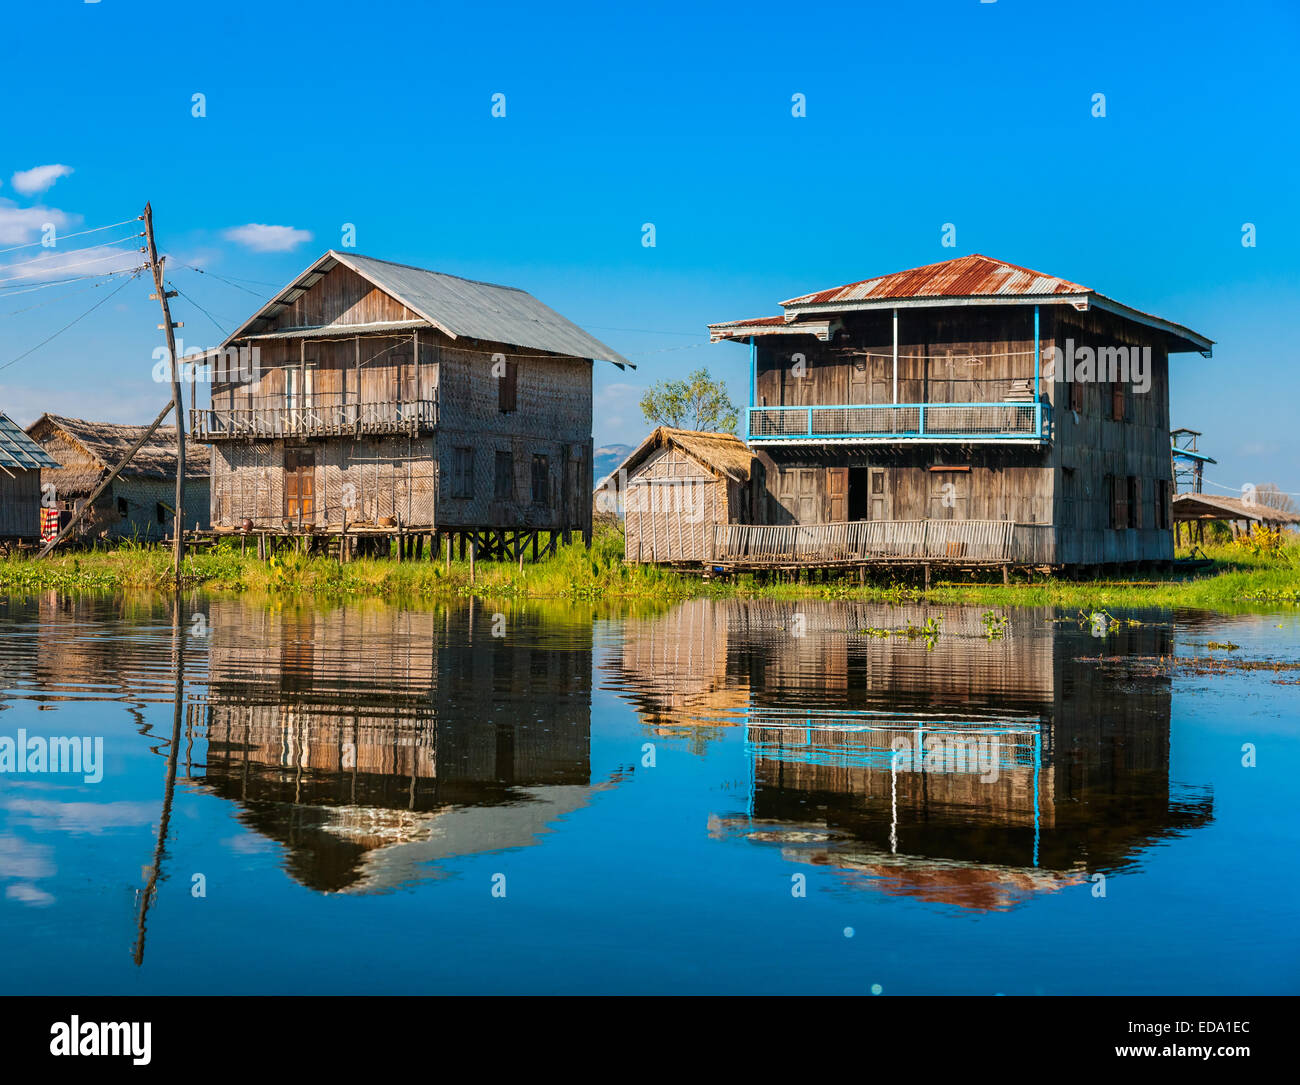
{"points": [[968, 280], [964, 277], [772, 325], [463, 308], [19, 450]]}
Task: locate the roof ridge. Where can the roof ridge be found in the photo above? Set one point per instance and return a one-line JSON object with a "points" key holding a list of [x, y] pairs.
{"points": [[937, 264], [426, 270]]}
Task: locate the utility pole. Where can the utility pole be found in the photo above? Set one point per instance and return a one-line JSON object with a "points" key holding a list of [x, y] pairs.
{"points": [[177, 401]]}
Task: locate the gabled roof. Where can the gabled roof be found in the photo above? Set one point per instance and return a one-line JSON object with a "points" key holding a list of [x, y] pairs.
{"points": [[965, 280], [723, 453], [461, 308], [107, 442], [963, 277], [1212, 506], [17, 450]]}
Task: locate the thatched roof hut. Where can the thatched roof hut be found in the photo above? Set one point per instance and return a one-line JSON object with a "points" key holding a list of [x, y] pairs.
{"points": [[88, 450], [675, 486], [1192, 507]]}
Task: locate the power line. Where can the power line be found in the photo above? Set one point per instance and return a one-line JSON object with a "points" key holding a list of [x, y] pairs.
{"points": [[55, 253], [71, 323], [115, 254], [79, 233], [63, 297], [200, 309], [229, 282]]}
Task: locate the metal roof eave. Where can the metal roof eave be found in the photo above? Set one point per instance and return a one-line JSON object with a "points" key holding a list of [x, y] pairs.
{"points": [[1080, 302], [822, 329]]}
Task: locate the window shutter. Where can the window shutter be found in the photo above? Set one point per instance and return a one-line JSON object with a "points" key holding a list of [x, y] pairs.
{"points": [[508, 388]]}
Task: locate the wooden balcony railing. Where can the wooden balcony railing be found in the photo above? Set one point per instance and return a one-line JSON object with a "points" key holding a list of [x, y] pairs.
{"points": [[862, 542], [314, 420], [898, 422]]}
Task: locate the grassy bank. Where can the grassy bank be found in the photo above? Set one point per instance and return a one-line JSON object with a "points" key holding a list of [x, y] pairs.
{"points": [[1239, 580]]}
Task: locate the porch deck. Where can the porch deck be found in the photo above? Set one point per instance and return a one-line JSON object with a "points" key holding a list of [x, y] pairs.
{"points": [[870, 542], [314, 419]]}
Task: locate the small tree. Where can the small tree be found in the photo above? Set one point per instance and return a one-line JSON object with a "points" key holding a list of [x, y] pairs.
{"points": [[698, 402]]}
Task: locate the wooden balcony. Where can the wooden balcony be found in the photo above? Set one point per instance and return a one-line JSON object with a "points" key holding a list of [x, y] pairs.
{"points": [[855, 423], [314, 420], [868, 542]]}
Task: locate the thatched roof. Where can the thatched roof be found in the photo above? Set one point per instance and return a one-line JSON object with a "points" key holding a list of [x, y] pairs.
{"points": [[725, 454], [106, 443], [1214, 507]]}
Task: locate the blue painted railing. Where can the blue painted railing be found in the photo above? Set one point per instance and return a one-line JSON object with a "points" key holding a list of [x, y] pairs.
{"points": [[898, 422]]}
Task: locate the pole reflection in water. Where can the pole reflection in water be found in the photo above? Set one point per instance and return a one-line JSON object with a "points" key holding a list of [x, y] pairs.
{"points": [[150, 890]]}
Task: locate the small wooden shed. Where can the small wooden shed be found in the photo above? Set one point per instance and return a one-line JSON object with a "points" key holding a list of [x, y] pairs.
{"points": [[21, 460], [675, 486]]}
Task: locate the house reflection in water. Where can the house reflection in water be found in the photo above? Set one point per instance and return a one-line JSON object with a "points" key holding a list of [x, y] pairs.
{"points": [[374, 743], [961, 769]]}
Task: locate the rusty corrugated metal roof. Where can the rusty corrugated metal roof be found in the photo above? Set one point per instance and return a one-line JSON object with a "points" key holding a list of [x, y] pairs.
{"points": [[967, 280], [964, 277]]}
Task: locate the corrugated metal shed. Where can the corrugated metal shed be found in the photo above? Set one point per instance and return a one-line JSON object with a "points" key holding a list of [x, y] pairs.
{"points": [[460, 307], [964, 277], [20, 451]]}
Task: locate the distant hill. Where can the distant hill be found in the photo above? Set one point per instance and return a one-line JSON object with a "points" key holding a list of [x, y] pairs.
{"points": [[605, 459]]}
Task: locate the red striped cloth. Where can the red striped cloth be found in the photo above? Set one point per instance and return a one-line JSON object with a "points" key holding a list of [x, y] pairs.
{"points": [[49, 525]]}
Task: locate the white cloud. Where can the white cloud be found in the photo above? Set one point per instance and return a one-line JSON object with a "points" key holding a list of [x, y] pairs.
{"points": [[19, 225], [262, 238], [38, 178]]}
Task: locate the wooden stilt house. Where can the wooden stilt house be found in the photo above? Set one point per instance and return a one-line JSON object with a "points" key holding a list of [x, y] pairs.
{"points": [[369, 396], [968, 412], [676, 487], [21, 461]]}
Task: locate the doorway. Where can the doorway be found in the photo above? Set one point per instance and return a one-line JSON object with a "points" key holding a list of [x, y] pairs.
{"points": [[300, 484], [867, 497]]}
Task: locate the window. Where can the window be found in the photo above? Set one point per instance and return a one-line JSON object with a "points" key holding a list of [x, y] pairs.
{"points": [[1117, 401], [541, 480], [122, 510], [462, 472], [504, 485], [161, 512], [1162, 505], [1118, 501], [508, 388], [1076, 396], [1135, 502]]}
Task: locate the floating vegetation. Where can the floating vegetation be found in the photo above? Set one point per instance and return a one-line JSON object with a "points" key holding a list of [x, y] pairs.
{"points": [[1226, 645], [995, 625]]}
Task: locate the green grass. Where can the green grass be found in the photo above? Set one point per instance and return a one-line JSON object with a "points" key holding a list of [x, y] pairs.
{"points": [[1239, 579]]}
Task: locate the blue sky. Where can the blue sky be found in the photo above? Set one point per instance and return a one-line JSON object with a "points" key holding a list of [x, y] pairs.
{"points": [[918, 114]]}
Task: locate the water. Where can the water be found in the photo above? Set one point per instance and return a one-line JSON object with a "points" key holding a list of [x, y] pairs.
{"points": [[721, 796]]}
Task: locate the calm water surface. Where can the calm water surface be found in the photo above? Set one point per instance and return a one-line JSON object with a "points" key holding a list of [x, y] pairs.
{"points": [[720, 796]]}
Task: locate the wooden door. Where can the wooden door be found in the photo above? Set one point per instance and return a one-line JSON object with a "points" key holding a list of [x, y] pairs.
{"points": [[882, 380], [837, 493], [299, 484], [877, 497], [859, 385]]}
